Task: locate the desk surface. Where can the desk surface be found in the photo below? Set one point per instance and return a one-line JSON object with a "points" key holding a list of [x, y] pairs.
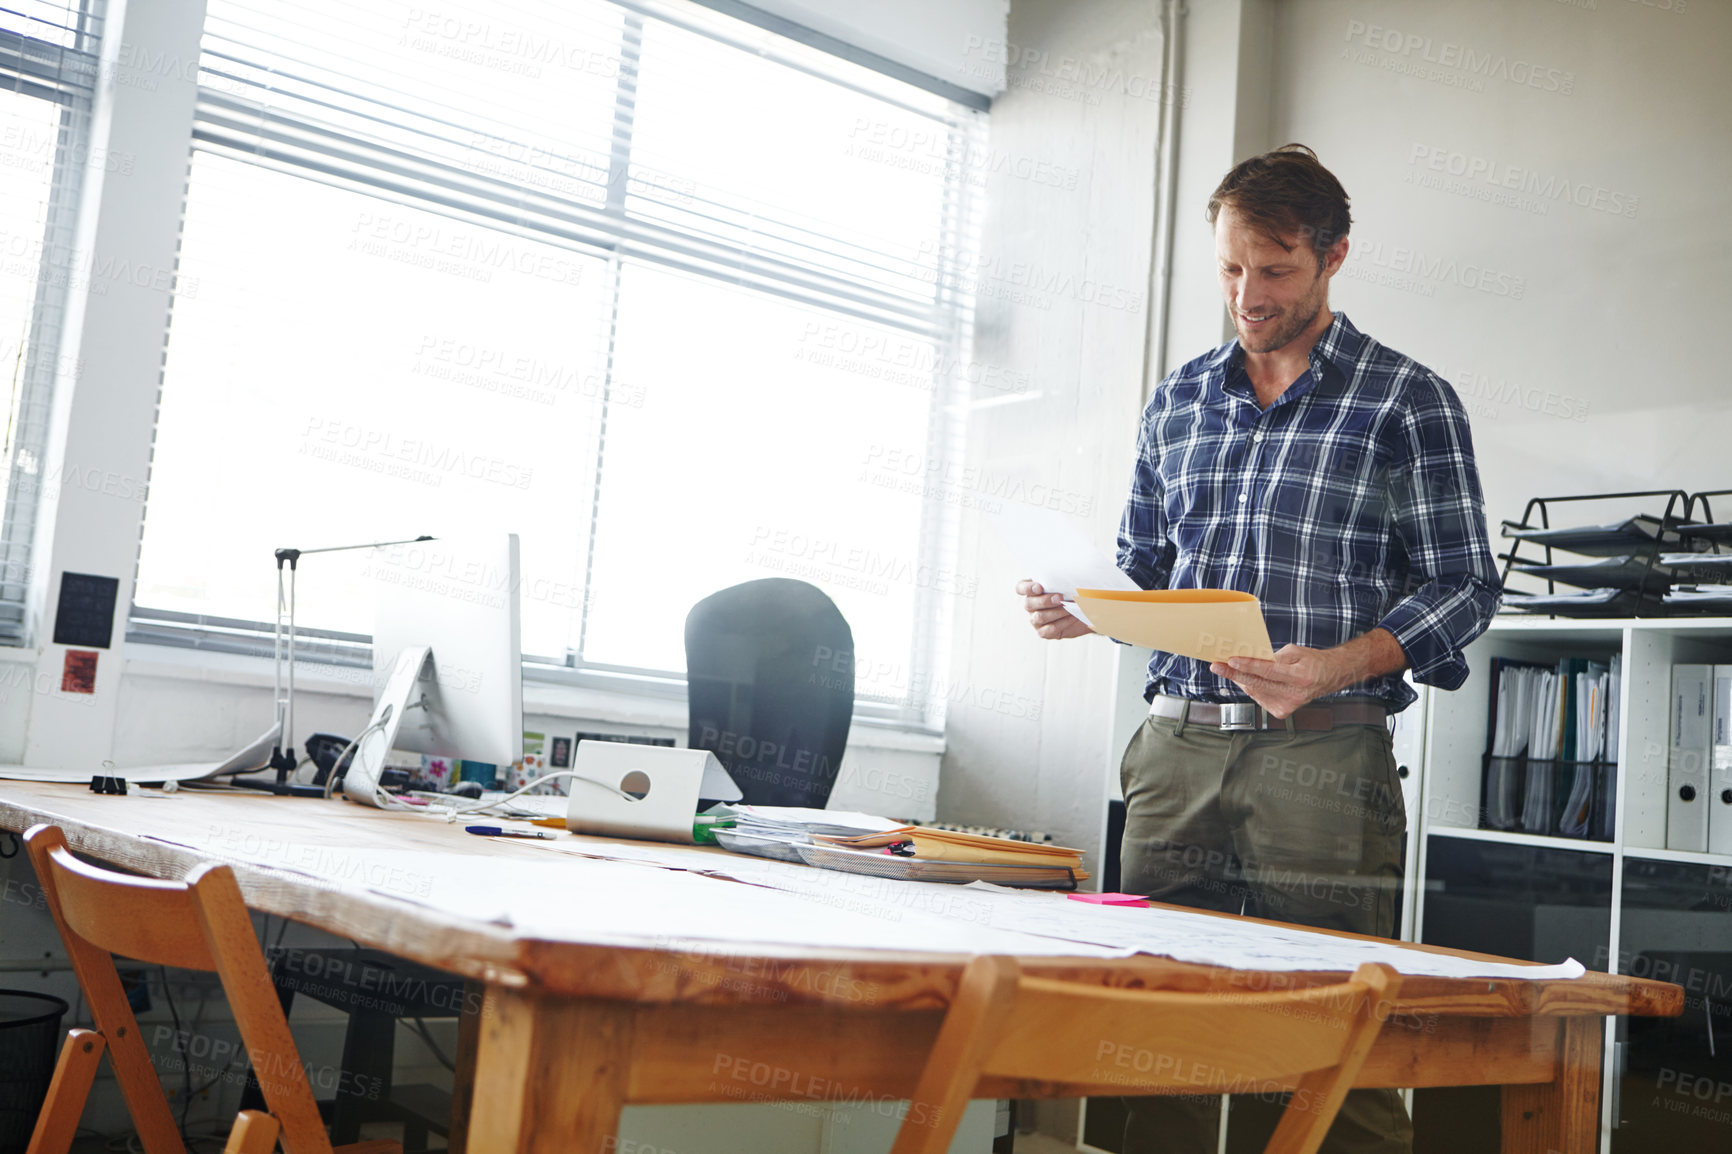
{"points": [[394, 853], [581, 1021]]}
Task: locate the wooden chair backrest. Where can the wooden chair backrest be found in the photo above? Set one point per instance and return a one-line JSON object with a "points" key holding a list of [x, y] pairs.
{"points": [[144, 919], [1142, 1041], [197, 924], [1204, 1043]]}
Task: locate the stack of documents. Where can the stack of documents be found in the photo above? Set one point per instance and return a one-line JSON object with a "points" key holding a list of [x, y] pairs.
{"points": [[1550, 747], [1630, 575], [948, 856], [1583, 603], [1635, 535], [774, 831]]}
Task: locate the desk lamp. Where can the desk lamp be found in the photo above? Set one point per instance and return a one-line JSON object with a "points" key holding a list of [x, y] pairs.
{"points": [[283, 754]]}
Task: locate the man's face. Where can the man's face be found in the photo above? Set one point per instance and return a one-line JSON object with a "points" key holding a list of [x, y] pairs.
{"points": [[1272, 293]]}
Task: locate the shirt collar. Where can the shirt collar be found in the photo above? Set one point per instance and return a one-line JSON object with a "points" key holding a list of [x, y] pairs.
{"points": [[1338, 346]]}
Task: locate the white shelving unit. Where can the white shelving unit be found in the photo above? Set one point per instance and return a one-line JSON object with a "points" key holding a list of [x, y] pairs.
{"points": [[1455, 740]]}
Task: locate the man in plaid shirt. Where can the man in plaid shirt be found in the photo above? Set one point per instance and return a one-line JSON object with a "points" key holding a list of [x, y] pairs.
{"points": [[1334, 478]]}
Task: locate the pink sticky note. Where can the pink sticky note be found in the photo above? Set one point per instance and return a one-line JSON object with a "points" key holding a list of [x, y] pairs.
{"points": [[1110, 899]]}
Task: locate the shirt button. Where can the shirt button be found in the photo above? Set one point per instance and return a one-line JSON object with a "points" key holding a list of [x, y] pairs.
{"points": [[1241, 498], [1258, 435]]}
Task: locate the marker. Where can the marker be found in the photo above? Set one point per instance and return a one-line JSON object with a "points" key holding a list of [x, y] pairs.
{"points": [[496, 831]]}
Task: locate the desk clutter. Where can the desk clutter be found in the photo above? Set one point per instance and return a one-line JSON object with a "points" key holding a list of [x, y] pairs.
{"points": [[1677, 562], [863, 844], [1551, 740]]}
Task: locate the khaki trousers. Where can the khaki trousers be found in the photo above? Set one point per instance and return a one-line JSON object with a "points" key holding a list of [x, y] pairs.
{"points": [[1293, 826]]}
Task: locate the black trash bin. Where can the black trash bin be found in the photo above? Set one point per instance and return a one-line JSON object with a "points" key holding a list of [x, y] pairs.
{"points": [[29, 1043]]}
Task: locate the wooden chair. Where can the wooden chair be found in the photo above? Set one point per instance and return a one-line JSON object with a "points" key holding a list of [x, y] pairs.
{"points": [[198, 924], [1139, 1041]]}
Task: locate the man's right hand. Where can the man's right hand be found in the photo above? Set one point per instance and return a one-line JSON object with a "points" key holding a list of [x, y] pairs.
{"points": [[1047, 614]]}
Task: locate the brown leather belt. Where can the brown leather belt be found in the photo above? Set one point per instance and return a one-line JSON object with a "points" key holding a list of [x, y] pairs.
{"points": [[1248, 715]]}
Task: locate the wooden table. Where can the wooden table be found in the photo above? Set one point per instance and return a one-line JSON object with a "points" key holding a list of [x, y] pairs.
{"points": [[571, 1030]]}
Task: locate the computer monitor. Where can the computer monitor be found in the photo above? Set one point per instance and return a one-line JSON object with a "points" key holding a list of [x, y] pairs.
{"points": [[447, 659]]}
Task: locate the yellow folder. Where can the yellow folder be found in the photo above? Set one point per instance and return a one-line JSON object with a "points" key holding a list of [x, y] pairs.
{"points": [[1208, 624]]}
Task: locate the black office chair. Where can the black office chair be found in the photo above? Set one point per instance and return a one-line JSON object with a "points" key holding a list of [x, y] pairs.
{"points": [[770, 686]]}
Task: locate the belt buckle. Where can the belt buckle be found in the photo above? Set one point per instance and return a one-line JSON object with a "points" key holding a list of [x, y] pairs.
{"points": [[1238, 715]]}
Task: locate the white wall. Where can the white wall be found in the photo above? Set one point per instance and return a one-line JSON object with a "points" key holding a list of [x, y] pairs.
{"points": [[953, 40], [1598, 370], [1063, 298]]}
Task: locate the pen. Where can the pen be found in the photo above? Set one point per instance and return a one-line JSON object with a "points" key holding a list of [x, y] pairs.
{"points": [[496, 831]]}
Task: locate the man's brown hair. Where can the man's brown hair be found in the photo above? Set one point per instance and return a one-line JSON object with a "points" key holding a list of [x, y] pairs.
{"points": [[1285, 194]]}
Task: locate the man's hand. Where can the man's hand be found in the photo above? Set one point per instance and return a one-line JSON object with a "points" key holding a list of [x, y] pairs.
{"points": [[1046, 613], [1297, 676]]}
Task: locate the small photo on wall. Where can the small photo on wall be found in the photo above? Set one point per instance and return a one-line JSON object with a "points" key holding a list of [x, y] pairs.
{"points": [[561, 756]]}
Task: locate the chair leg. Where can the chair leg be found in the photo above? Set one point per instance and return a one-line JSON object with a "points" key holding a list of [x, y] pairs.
{"points": [[1312, 1109], [971, 1028], [70, 1086], [255, 1132]]}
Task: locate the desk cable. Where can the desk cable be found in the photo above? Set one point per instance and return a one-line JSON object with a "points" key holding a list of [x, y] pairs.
{"points": [[452, 815]]}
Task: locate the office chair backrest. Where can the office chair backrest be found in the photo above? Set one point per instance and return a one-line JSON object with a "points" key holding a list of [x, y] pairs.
{"points": [[1140, 1041], [199, 924], [770, 686]]}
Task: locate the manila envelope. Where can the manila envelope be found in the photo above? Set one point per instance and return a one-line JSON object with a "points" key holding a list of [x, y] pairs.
{"points": [[1208, 624]]}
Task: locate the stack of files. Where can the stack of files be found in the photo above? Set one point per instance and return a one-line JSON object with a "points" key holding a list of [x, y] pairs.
{"points": [[1551, 737], [922, 854], [1715, 533], [1515, 688], [1586, 603], [1585, 752], [777, 831], [1712, 568], [1713, 599], [1617, 539], [1626, 572]]}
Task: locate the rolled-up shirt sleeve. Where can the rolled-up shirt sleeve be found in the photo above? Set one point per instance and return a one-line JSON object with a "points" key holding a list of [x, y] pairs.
{"points": [[1438, 516], [1145, 554]]}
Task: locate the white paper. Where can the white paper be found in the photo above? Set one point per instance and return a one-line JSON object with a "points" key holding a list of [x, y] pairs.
{"points": [[1052, 548], [567, 897], [256, 755], [1206, 939]]}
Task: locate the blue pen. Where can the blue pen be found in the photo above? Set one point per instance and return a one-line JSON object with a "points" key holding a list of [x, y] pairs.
{"points": [[496, 831]]}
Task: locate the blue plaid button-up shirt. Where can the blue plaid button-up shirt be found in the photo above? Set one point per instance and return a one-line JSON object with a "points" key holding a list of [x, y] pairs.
{"points": [[1351, 503]]}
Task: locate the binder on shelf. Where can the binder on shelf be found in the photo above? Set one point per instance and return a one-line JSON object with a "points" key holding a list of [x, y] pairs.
{"points": [[1687, 752], [1720, 765]]}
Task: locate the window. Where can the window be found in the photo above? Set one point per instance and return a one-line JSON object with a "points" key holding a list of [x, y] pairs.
{"points": [[47, 76], [660, 291]]}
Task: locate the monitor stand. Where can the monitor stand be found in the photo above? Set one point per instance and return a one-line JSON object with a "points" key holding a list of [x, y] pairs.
{"points": [[401, 693]]}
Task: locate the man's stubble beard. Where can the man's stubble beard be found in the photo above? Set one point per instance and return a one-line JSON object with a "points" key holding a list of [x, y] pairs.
{"points": [[1293, 324]]}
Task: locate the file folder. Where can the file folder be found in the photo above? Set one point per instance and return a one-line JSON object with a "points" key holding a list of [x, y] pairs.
{"points": [[1687, 758], [1208, 624], [1720, 765]]}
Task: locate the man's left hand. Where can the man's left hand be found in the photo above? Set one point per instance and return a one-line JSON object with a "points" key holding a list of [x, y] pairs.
{"points": [[1296, 676]]}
